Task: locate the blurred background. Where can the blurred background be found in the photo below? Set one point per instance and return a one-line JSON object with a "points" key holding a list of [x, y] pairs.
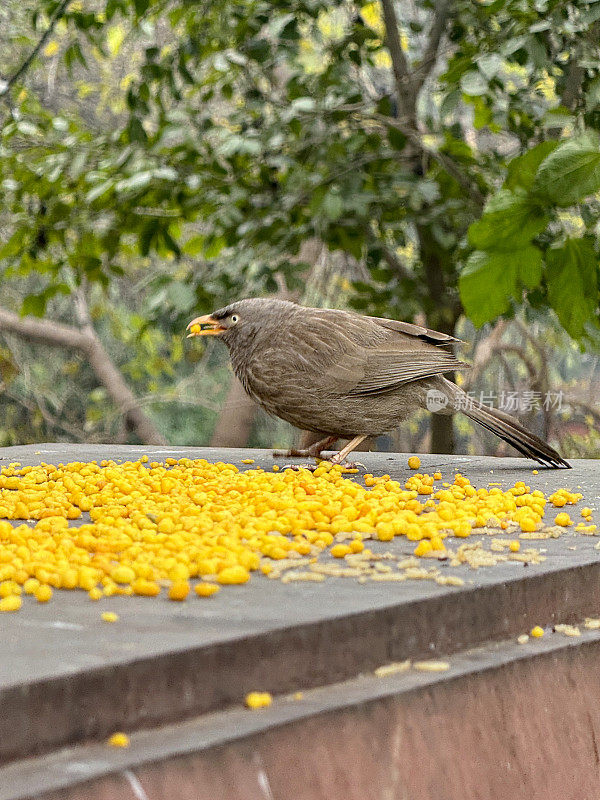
{"points": [[434, 162]]}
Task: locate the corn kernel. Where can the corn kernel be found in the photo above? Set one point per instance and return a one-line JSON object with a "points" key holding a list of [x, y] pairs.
{"points": [[233, 575], [423, 548], [10, 603], [43, 593], [179, 590], [414, 462], [206, 589], [256, 700], [109, 616], [562, 519], [119, 739], [537, 632], [340, 550]]}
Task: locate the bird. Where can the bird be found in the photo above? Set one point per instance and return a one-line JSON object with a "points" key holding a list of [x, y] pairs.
{"points": [[344, 375]]}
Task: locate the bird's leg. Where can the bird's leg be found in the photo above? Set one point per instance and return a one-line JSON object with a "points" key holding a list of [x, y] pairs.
{"points": [[338, 458], [314, 451]]}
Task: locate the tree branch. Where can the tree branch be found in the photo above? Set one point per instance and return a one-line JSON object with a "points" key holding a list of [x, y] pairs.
{"points": [[443, 160], [441, 13], [405, 88], [41, 331], [394, 262], [59, 12]]}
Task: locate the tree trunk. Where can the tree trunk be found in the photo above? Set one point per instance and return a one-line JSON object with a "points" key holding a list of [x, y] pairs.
{"points": [[442, 317], [236, 419]]}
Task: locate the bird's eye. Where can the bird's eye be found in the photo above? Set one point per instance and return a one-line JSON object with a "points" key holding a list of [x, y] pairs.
{"points": [[234, 319]]}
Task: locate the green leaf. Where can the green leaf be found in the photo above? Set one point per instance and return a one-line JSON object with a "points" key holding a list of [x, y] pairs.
{"points": [[573, 284], [571, 172], [333, 205], [194, 245], [511, 220], [490, 280], [473, 83], [522, 169], [34, 305]]}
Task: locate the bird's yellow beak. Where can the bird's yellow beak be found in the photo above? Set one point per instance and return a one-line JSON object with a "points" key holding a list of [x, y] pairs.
{"points": [[204, 326]]}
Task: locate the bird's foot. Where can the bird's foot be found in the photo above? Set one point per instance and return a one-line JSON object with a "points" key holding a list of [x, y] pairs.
{"points": [[346, 465], [291, 453]]}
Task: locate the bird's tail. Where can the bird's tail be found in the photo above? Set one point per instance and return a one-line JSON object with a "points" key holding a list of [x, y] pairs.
{"points": [[507, 428]]}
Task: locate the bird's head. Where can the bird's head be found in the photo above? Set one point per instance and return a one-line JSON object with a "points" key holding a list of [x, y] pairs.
{"points": [[241, 320]]}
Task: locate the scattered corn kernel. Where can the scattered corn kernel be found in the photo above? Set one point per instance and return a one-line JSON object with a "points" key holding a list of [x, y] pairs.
{"points": [[523, 638], [423, 548], [567, 630], [206, 589], [233, 575], [179, 590], [258, 700], [109, 616], [431, 666], [43, 593], [10, 603], [392, 669], [537, 632], [514, 546], [156, 524], [340, 550], [119, 739], [247, 461], [564, 520]]}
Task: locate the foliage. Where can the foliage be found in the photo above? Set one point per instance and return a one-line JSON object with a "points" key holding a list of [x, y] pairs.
{"points": [[266, 123]]}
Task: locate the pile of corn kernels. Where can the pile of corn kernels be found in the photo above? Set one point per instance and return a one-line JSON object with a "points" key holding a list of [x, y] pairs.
{"points": [[184, 523]]}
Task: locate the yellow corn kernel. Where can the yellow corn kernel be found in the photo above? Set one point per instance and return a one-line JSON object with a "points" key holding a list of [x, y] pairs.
{"points": [[562, 519], [527, 524], [206, 589], [11, 603], [145, 588], [423, 548], [109, 616], [233, 575], [119, 739], [122, 574], [340, 550], [256, 700], [514, 546], [414, 462], [537, 632], [43, 593], [179, 590], [385, 531]]}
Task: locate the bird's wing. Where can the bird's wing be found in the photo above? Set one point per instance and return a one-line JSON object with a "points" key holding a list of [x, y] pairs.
{"points": [[336, 353], [385, 371], [426, 334]]}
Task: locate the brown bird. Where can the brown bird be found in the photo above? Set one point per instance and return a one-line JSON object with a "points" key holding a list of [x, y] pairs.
{"points": [[348, 376]]}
